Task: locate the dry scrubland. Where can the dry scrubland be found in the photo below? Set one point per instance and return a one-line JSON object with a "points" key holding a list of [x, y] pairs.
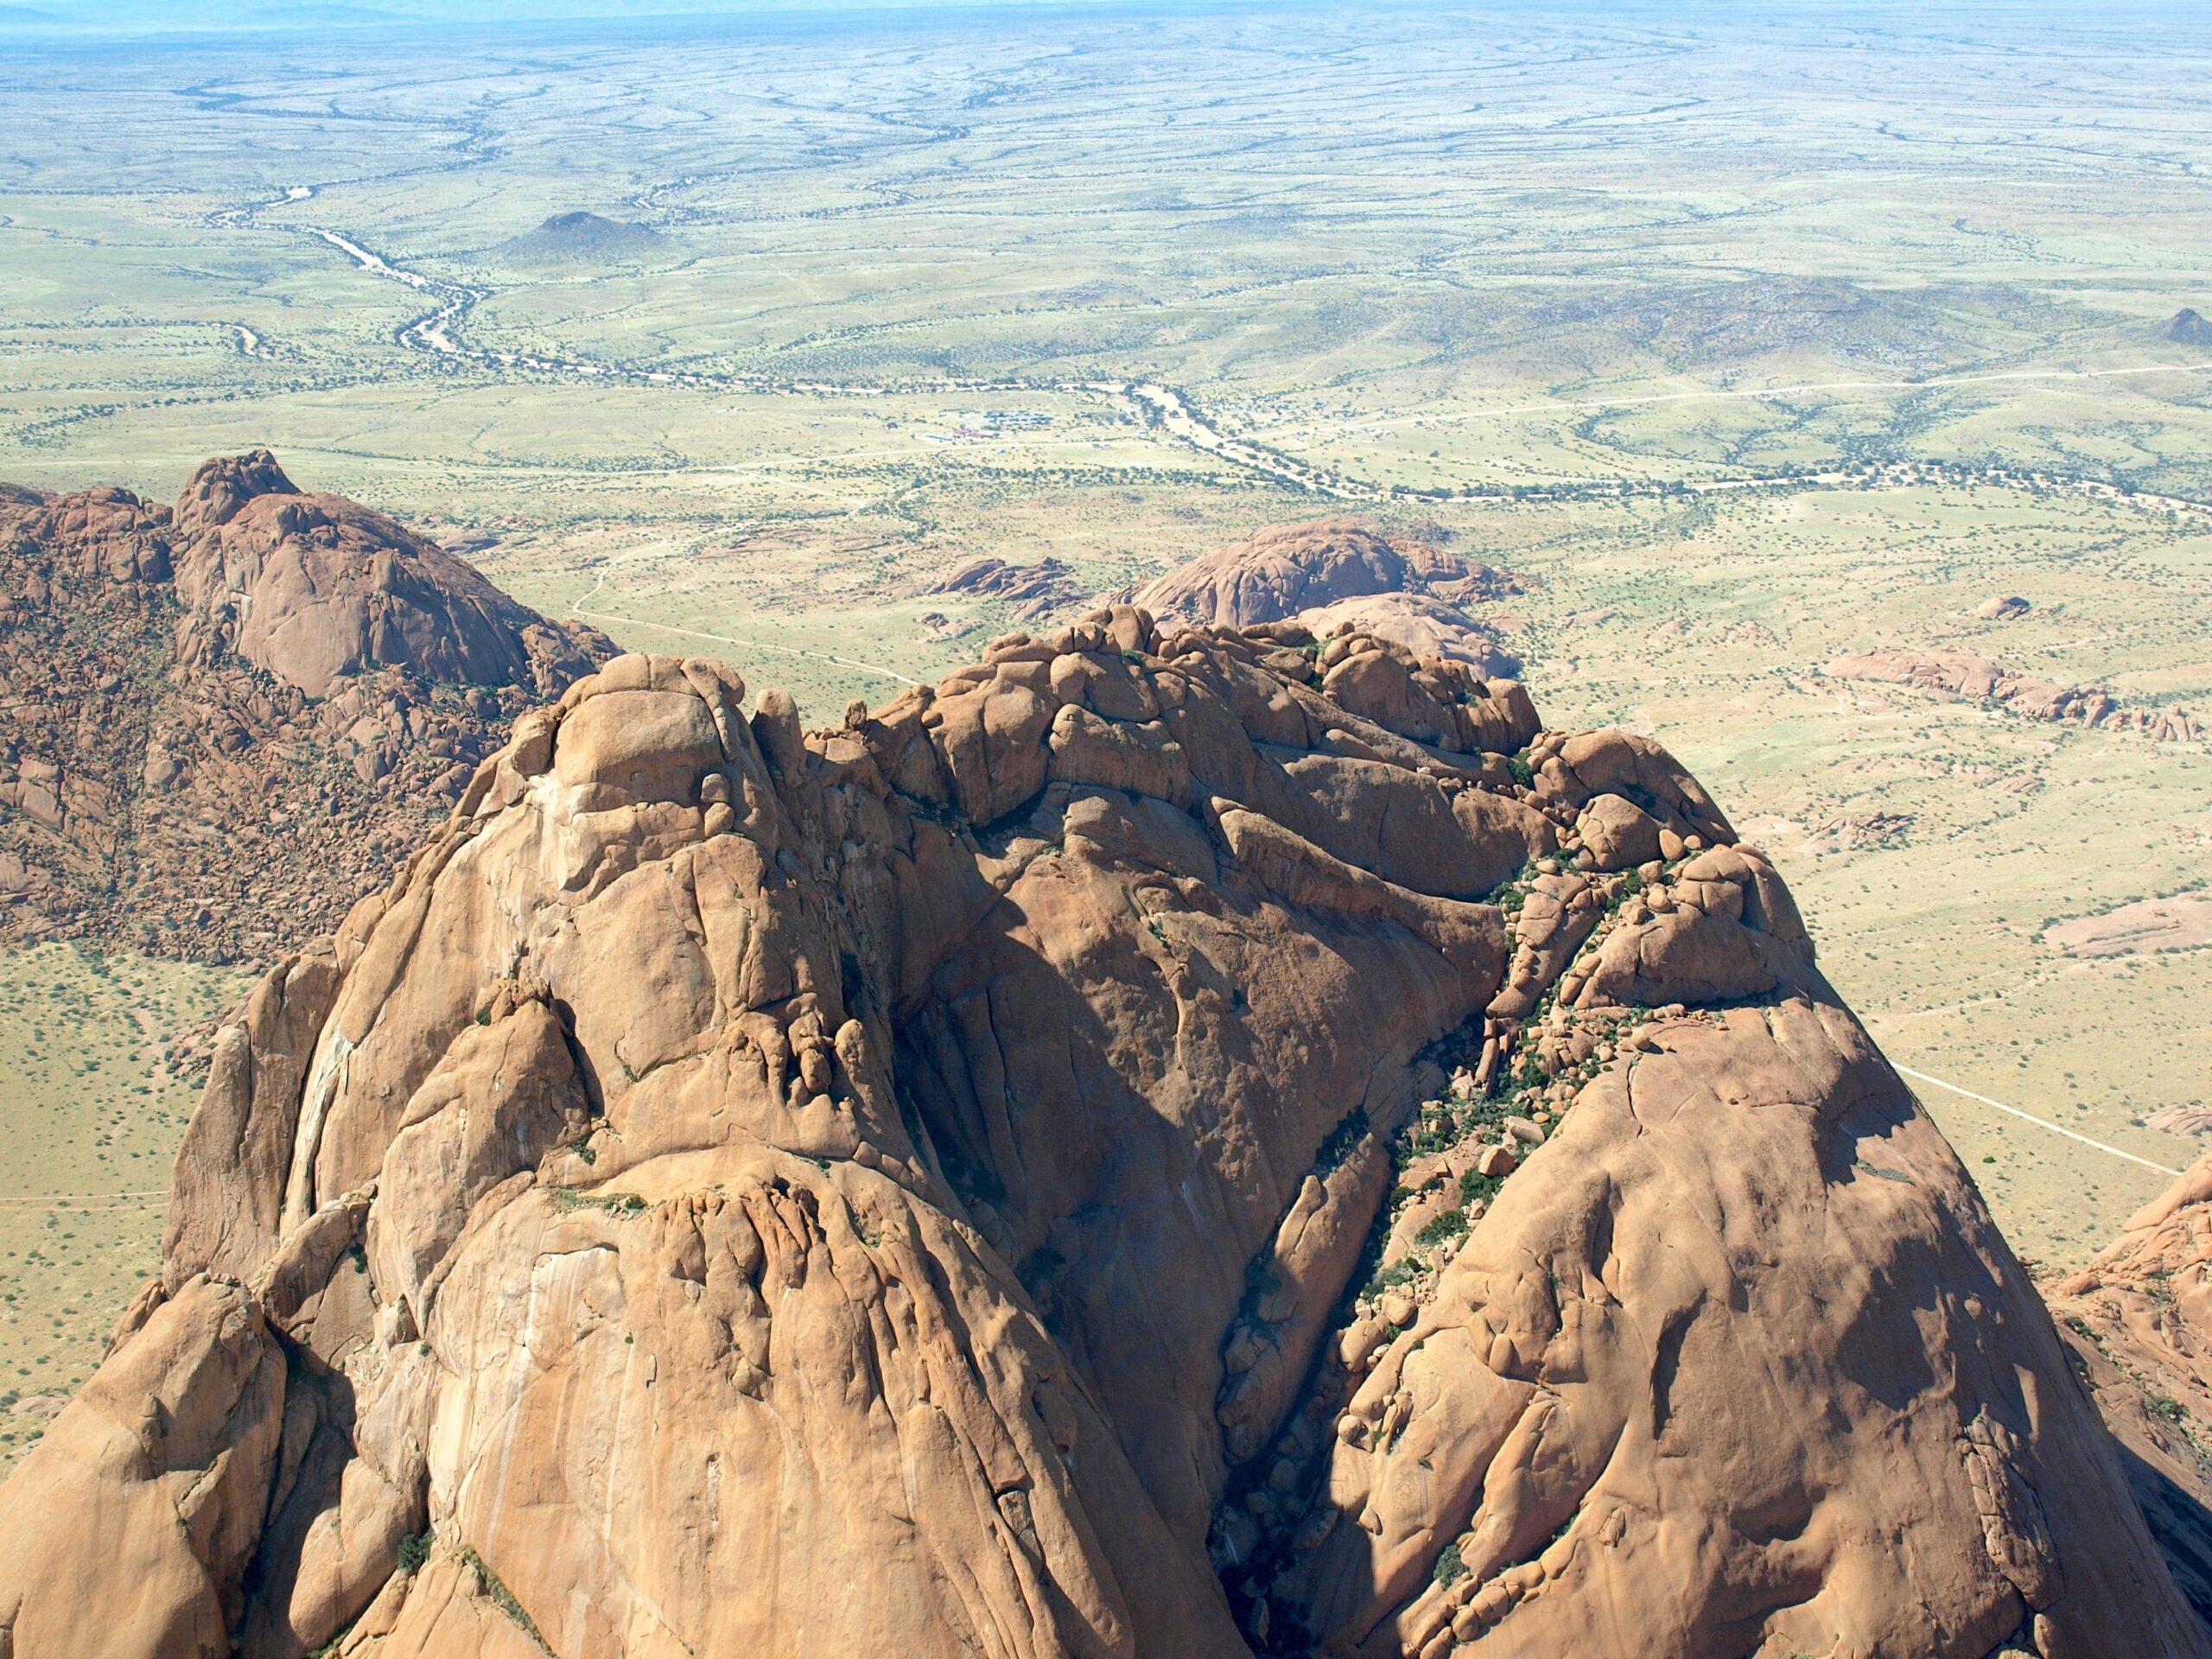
{"points": [[908, 273], [93, 1114], [1999, 826]]}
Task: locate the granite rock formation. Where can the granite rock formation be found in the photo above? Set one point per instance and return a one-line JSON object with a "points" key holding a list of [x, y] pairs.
{"points": [[1275, 573], [1425, 626], [1962, 676], [1030, 591], [221, 724], [1174, 1141]]}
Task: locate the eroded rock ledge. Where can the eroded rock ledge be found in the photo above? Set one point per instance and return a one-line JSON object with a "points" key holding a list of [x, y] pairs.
{"points": [[1166, 1143]]}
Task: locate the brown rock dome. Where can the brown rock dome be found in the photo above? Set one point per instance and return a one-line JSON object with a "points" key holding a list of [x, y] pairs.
{"points": [[1275, 573], [313, 588]]}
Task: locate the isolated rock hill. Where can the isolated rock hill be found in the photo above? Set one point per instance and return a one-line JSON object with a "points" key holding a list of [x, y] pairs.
{"points": [[221, 724], [1174, 1141], [576, 237], [1959, 674], [1031, 591], [1276, 572]]}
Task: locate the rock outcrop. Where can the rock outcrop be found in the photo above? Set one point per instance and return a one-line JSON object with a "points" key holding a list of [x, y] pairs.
{"points": [[2182, 922], [1962, 675], [2138, 1322], [1275, 573], [948, 1185], [221, 725], [1425, 626], [1030, 591], [1849, 832]]}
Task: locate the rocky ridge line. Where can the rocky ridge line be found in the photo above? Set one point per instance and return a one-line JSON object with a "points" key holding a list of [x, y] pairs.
{"points": [[1964, 676]]}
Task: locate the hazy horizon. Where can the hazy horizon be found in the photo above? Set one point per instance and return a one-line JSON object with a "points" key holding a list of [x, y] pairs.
{"points": [[141, 16]]}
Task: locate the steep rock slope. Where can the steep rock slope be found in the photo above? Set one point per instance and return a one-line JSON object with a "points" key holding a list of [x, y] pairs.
{"points": [[220, 725], [1177, 1142]]}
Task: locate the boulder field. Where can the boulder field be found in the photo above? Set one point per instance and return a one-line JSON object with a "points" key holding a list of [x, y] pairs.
{"points": [[1175, 1142]]}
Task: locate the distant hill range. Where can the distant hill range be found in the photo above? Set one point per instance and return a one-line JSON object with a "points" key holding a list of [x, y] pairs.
{"points": [[583, 238], [220, 724], [116, 20]]}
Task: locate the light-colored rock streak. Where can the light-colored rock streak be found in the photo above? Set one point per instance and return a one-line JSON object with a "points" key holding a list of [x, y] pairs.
{"points": [[324, 1080]]}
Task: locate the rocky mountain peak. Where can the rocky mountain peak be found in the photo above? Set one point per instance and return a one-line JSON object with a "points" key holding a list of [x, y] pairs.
{"points": [[221, 724], [222, 485], [313, 588], [1174, 1140]]}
